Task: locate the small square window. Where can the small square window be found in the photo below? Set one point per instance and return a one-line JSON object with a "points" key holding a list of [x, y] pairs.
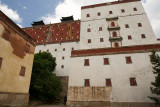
{"points": [[62, 66], [101, 39], [62, 57], [126, 25], [47, 50], [135, 9], [133, 81], [129, 37], [6, 35], [122, 10], [63, 49], [106, 61], [108, 83], [128, 60], [143, 36], [88, 30], [100, 28], [22, 71], [55, 50], [86, 62], [86, 83], [39, 51], [1, 62], [88, 15], [98, 14], [110, 12], [89, 40], [139, 25]]}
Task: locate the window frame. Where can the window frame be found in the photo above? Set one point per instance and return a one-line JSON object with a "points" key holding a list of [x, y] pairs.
{"points": [[110, 12], [99, 14], [87, 15], [85, 85], [129, 37], [122, 11], [106, 61], [88, 30], [100, 29], [134, 9], [113, 24], [126, 25], [86, 62], [89, 41], [110, 82], [139, 24], [128, 61], [131, 81], [101, 40], [22, 71], [116, 44], [114, 34], [143, 36]]}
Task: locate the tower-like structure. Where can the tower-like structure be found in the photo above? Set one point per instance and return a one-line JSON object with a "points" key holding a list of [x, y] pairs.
{"points": [[115, 24]]}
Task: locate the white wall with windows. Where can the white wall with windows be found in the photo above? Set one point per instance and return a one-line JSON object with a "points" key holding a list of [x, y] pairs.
{"points": [[62, 53], [119, 70]]}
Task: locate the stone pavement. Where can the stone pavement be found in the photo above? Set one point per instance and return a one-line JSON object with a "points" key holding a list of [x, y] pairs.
{"points": [[59, 105]]}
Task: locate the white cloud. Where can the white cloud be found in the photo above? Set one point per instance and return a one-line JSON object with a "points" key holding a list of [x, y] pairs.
{"points": [[152, 10], [68, 8], [24, 7], [10, 13], [73, 7]]}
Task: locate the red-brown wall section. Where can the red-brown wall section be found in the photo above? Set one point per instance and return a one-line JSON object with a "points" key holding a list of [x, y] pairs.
{"points": [[60, 31]]}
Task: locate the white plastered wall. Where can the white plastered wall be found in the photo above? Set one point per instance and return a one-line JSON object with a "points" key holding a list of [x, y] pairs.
{"points": [[119, 72], [130, 17], [59, 54]]}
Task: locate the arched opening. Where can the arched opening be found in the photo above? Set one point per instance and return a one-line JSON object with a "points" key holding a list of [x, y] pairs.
{"points": [[112, 24], [114, 34]]}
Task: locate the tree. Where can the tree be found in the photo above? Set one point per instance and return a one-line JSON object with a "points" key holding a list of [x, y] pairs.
{"points": [[44, 84], [155, 88]]}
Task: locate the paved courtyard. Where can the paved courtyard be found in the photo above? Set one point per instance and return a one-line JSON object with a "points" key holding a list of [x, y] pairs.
{"points": [[61, 105]]}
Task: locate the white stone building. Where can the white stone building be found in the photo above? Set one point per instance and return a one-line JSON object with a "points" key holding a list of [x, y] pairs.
{"points": [[107, 59], [112, 66]]}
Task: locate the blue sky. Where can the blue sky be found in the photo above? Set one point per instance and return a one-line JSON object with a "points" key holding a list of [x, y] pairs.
{"points": [[24, 12], [31, 10]]}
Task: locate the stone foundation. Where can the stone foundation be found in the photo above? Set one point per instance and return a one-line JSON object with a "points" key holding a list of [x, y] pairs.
{"points": [[14, 99], [108, 104], [88, 104], [95, 94]]}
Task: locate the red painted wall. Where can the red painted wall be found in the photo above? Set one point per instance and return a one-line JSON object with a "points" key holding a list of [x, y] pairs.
{"points": [[59, 31]]}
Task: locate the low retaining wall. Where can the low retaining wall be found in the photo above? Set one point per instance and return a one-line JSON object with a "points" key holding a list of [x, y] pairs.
{"points": [[108, 104], [13, 99]]}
